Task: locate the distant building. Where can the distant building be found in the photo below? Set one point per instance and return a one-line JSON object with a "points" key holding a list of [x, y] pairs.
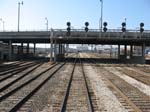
{"points": [[82, 48]]}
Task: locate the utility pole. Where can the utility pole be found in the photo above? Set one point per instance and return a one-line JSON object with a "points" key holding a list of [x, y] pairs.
{"points": [[46, 23], [19, 3]]}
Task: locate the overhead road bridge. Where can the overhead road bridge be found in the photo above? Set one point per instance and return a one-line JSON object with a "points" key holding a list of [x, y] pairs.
{"points": [[58, 37], [113, 37]]}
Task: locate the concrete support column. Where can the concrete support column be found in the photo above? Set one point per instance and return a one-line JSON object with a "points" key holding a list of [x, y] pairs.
{"points": [[67, 48], [52, 49], [13, 49], [34, 48], [55, 50], [1, 55], [61, 52], [125, 51], [18, 50], [59, 48], [118, 51], [10, 50], [143, 50], [131, 51], [21, 48], [27, 48]]}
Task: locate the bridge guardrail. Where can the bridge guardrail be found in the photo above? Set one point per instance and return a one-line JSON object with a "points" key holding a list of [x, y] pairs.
{"points": [[111, 33]]}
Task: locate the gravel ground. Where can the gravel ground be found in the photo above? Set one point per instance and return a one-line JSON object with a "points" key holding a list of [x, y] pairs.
{"points": [[50, 96], [142, 87], [106, 100], [138, 71], [77, 100], [3, 83]]}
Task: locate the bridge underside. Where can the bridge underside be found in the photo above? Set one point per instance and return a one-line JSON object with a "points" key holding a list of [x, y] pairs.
{"points": [[59, 39], [83, 40]]}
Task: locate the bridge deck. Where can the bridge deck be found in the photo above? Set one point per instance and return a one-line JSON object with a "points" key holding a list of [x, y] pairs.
{"points": [[78, 37]]}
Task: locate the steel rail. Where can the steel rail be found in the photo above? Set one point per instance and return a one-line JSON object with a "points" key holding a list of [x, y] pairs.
{"points": [[15, 72], [63, 105], [19, 78], [24, 84], [128, 101], [9, 66], [12, 70], [27, 97], [136, 109], [87, 89]]}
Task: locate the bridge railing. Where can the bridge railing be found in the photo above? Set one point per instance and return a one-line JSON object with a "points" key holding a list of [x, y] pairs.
{"points": [[111, 33], [82, 30]]}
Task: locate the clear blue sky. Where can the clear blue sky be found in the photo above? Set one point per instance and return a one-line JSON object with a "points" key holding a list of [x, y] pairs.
{"points": [[58, 12]]}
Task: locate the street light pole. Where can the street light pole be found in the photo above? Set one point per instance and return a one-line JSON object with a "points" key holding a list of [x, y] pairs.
{"points": [[0, 19], [46, 23], [125, 20], [3, 22], [19, 13], [3, 26], [101, 13]]}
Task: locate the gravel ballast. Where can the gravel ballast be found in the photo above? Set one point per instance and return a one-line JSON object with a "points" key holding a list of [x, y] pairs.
{"points": [[106, 100], [142, 87]]}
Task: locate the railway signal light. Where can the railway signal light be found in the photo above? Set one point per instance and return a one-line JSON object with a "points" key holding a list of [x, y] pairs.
{"points": [[68, 29], [141, 27], [86, 26], [123, 27], [68, 24], [105, 26]]}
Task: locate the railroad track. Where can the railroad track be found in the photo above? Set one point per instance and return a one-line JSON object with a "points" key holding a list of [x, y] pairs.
{"points": [[5, 67], [77, 96], [140, 77], [15, 68], [130, 97], [12, 98], [18, 77], [10, 73]]}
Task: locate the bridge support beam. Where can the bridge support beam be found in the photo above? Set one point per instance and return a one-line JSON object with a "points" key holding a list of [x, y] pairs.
{"points": [[10, 50]]}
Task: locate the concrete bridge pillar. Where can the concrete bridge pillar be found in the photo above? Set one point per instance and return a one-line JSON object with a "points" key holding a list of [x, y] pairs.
{"points": [[21, 48], [27, 48], [34, 48], [10, 50], [59, 49], [143, 50], [131, 51], [125, 51], [13, 49], [118, 51], [55, 50], [63, 49], [18, 50], [52, 50]]}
